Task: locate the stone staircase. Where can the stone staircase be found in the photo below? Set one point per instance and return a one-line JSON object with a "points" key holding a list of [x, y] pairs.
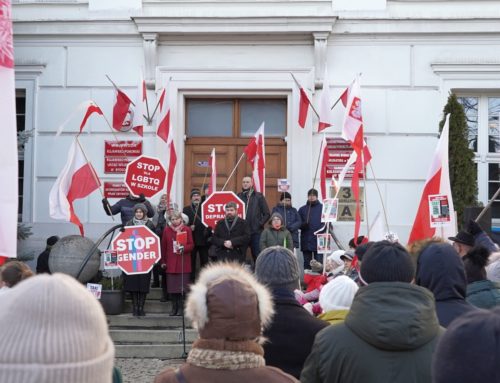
{"points": [[157, 335]]}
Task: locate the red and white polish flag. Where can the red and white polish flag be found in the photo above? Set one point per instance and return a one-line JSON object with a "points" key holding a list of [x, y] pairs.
{"points": [[140, 108], [325, 105], [123, 112], [437, 183], [163, 130], [8, 154], [324, 165], [256, 155], [77, 180], [212, 186]]}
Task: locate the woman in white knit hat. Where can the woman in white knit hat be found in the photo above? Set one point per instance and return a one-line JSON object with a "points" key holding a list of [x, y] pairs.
{"points": [[54, 331], [336, 298]]}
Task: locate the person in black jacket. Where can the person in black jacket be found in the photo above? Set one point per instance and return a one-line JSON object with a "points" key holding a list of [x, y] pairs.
{"points": [[231, 236], [42, 263], [257, 213], [193, 211], [125, 207], [292, 331]]}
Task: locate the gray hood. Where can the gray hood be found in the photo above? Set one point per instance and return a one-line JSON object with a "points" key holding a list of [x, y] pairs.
{"points": [[394, 316]]}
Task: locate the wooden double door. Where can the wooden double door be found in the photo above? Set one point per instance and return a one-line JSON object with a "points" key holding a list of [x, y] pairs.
{"points": [[228, 151]]}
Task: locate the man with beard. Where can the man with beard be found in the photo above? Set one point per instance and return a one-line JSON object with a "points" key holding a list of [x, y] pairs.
{"points": [[257, 213], [193, 211], [231, 236]]}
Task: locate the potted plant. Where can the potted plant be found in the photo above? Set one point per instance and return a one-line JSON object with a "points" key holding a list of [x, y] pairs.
{"points": [[112, 298]]}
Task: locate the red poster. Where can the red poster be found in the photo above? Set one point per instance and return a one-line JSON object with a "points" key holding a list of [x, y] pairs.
{"points": [[115, 190], [122, 148], [339, 151]]}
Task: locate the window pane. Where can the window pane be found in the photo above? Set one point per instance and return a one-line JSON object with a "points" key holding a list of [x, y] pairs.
{"points": [[272, 112], [470, 109], [493, 127], [493, 185], [209, 118]]}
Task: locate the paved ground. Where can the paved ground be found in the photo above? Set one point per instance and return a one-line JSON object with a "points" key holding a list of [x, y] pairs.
{"points": [[143, 370]]}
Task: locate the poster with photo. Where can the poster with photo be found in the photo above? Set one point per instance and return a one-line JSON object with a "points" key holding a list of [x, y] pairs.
{"points": [[110, 260], [325, 243], [283, 185], [439, 210], [95, 289], [330, 210]]}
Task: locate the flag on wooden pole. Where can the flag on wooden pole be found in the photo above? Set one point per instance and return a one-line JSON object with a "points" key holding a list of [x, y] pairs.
{"points": [[256, 153], [212, 186]]}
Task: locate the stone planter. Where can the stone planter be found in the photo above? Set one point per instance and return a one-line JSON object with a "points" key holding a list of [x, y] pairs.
{"points": [[112, 301]]}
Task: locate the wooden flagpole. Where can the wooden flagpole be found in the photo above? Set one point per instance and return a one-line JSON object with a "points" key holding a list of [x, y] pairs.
{"points": [[234, 169], [311, 104]]}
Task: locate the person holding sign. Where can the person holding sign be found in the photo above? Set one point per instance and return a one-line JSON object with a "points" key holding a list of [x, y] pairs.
{"points": [[138, 284], [310, 215], [176, 247], [276, 234]]}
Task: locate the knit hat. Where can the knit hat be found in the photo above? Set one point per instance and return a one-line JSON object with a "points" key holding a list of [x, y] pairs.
{"points": [[469, 350], [337, 261], [285, 195], [227, 302], [362, 249], [276, 215], [54, 331], [277, 267], [51, 241], [338, 294], [312, 192], [348, 255], [195, 191], [464, 238], [141, 206], [386, 262]]}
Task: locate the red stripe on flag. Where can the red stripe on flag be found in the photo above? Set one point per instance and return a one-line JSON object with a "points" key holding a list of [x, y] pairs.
{"points": [[91, 109], [139, 130], [164, 127], [171, 169], [344, 96], [323, 126], [120, 109], [303, 108], [358, 167], [323, 175]]}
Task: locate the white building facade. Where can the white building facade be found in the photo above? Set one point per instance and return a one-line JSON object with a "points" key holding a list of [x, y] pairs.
{"points": [[224, 62]]}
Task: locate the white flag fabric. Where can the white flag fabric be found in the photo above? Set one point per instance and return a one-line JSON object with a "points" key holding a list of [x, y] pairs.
{"points": [[256, 155], [8, 154], [212, 186]]}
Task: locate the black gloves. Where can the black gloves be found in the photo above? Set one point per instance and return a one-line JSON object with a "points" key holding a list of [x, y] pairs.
{"points": [[474, 228], [142, 198]]}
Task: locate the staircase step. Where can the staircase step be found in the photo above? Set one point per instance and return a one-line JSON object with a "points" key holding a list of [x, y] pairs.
{"points": [[152, 320], [150, 307], [155, 336], [157, 351]]}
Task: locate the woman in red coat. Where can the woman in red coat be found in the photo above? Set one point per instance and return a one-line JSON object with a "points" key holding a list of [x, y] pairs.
{"points": [[176, 246]]}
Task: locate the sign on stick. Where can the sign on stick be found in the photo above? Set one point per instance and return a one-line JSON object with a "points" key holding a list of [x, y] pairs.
{"points": [[145, 175], [212, 209]]}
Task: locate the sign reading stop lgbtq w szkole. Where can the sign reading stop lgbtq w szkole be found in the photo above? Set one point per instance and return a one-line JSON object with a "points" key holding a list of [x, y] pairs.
{"points": [[145, 175], [137, 249], [213, 210]]}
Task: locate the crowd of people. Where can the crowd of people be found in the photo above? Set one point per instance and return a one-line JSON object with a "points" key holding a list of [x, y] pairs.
{"points": [[376, 312]]}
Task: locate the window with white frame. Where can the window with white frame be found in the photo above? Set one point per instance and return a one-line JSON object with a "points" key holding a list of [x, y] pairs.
{"points": [[483, 116]]}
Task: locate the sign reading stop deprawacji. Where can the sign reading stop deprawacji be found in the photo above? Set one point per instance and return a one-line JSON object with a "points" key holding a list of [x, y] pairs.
{"points": [[137, 249], [212, 209], [145, 175]]}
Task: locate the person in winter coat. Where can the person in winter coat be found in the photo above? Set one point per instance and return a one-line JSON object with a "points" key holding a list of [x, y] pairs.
{"points": [[292, 331], [276, 234], [441, 270], [336, 299], [257, 213], [310, 215], [465, 240], [469, 351], [193, 211], [231, 236], [125, 207], [481, 292], [290, 216], [390, 332], [138, 285], [176, 259], [229, 308], [42, 262]]}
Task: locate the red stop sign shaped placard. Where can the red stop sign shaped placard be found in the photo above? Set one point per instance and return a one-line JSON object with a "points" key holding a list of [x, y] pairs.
{"points": [[145, 175], [137, 249], [212, 209]]}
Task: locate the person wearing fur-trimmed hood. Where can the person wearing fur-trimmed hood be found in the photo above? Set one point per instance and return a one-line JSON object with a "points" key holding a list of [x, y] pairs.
{"points": [[229, 308]]}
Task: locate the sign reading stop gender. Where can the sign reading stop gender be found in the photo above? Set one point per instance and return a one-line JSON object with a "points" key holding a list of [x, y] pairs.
{"points": [[145, 175], [212, 209], [137, 249]]}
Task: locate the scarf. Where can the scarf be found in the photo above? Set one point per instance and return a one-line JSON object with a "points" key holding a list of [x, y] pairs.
{"points": [[138, 222], [221, 354]]}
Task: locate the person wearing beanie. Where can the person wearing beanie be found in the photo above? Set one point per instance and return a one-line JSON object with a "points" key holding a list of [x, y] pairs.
{"points": [[229, 308], [390, 332], [336, 298], [481, 292], [290, 216], [441, 270], [201, 245], [310, 216], [276, 234], [257, 213], [54, 331], [293, 329], [138, 284], [125, 207], [469, 351], [42, 262]]}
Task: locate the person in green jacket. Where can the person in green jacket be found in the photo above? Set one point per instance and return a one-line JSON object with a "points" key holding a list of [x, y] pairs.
{"points": [[390, 332], [276, 234]]}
